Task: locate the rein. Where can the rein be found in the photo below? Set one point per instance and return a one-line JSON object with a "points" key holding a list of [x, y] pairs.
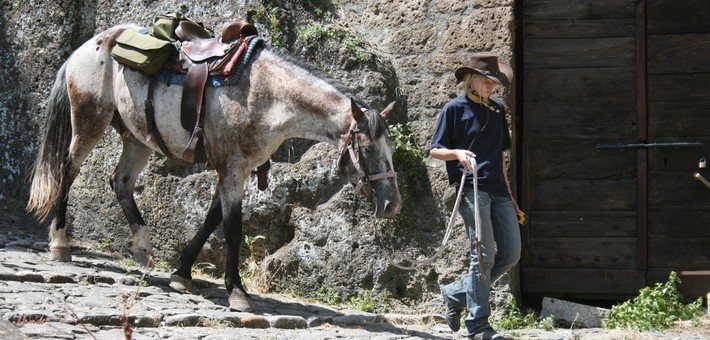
{"points": [[472, 167], [353, 148]]}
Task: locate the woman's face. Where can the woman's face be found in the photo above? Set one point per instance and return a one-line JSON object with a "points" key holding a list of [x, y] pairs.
{"points": [[482, 85]]}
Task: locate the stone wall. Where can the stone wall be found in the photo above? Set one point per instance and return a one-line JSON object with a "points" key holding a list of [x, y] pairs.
{"points": [[318, 233]]}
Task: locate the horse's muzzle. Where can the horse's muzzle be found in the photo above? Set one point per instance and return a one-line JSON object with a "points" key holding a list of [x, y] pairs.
{"points": [[389, 210]]}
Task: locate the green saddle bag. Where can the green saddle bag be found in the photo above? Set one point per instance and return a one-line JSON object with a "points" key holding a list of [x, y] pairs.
{"points": [[141, 51]]}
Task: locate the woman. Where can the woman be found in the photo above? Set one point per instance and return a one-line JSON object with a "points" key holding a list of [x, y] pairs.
{"points": [[473, 125]]}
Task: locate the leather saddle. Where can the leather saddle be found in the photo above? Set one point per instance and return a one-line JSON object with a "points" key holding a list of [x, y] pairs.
{"points": [[202, 54]]}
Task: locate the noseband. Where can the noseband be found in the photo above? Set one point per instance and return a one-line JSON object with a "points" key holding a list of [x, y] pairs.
{"points": [[353, 148]]}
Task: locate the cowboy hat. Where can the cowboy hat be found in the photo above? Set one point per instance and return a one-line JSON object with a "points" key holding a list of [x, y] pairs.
{"points": [[489, 66]]}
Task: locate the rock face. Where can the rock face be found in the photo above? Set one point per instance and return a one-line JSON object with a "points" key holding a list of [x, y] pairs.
{"points": [[318, 235]]}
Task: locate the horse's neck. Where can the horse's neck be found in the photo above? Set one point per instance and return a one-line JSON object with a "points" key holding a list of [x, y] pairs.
{"points": [[310, 107]]}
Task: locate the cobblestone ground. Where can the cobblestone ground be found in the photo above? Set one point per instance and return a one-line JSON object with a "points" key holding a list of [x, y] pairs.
{"points": [[90, 297]]}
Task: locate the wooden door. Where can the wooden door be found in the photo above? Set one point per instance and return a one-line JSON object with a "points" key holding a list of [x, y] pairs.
{"points": [[604, 222], [678, 73]]}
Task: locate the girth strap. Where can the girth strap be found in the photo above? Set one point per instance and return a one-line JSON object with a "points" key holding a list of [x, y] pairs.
{"points": [[152, 130]]}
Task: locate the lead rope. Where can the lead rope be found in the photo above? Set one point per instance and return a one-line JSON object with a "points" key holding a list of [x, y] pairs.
{"points": [[472, 167]]}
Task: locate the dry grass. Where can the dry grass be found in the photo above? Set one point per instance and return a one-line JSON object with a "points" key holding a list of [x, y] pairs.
{"points": [[256, 275], [690, 326]]}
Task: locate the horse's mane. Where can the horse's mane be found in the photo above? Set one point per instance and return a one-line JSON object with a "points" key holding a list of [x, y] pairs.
{"points": [[313, 70], [375, 123]]}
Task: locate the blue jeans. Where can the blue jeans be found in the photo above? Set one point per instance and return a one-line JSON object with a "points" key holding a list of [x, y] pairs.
{"points": [[500, 251]]}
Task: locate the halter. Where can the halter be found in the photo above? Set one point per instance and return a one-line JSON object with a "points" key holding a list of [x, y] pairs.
{"points": [[353, 148]]}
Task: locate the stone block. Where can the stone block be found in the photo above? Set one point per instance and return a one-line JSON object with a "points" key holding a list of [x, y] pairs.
{"points": [[578, 315]]}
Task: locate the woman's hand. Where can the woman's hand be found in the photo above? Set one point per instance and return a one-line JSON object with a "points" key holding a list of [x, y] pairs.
{"points": [[452, 154], [462, 155]]}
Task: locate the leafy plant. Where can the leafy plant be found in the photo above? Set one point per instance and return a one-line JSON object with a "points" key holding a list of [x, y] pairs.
{"points": [[388, 227], [314, 32], [366, 301], [656, 307], [271, 17], [250, 241], [328, 295], [105, 244], [354, 44], [513, 318], [408, 157], [163, 265]]}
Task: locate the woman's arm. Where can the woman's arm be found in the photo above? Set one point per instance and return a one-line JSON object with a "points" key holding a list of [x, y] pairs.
{"points": [[451, 154]]}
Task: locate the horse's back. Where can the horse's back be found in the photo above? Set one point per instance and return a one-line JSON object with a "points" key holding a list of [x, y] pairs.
{"points": [[90, 67], [90, 73]]}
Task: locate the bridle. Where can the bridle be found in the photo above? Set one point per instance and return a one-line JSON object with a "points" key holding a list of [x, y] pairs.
{"points": [[352, 147]]}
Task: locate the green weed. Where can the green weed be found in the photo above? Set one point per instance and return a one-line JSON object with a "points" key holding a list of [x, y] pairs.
{"points": [[105, 244], [366, 301], [328, 295], [408, 158], [314, 32], [655, 308], [513, 318]]}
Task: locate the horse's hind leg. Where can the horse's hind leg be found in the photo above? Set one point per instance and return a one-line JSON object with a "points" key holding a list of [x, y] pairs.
{"points": [[180, 280], [84, 138], [133, 159], [58, 244]]}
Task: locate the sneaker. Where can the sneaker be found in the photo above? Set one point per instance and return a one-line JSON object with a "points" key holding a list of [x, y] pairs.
{"points": [[488, 334], [453, 314]]}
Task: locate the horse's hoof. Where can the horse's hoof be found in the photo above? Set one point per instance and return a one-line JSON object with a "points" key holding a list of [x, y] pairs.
{"points": [[180, 284], [239, 302], [60, 254], [143, 258]]}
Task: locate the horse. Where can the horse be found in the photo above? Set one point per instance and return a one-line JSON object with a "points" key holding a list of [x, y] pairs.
{"points": [[277, 97]]}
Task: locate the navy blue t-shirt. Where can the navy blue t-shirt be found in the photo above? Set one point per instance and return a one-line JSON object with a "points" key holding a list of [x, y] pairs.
{"points": [[464, 124]]}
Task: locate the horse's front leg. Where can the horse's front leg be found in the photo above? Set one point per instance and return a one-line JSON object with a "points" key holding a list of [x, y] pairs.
{"points": [[181, 279], [239, 299]]}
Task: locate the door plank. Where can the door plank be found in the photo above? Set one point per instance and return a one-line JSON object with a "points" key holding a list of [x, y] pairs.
{"points": [[677, 188], [583, 224], [579, 53], [602, 84], [679, 119], [592, 252], [594, 195], [678, 87], [583, 281], [673, 222], [612, 118], [583, 28], [679, 253], [579, 159], [679, 53], [672, 16], [587, 9]]}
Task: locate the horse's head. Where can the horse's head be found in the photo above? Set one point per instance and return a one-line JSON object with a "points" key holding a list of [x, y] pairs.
{"points": [[370, 151]]}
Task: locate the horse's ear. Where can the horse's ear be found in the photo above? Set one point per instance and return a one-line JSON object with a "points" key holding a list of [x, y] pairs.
{"points": [[387, 112], [358, 114]]}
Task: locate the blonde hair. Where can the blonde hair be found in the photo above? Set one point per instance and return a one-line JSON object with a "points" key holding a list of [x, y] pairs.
{"points": [[468, 78]]}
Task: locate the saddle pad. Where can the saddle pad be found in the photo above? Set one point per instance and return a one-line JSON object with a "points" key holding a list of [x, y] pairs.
{"points": [[141, 51]]}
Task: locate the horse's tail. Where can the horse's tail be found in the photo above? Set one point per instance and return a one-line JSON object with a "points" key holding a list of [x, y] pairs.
{"points": [[49, 170]]}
